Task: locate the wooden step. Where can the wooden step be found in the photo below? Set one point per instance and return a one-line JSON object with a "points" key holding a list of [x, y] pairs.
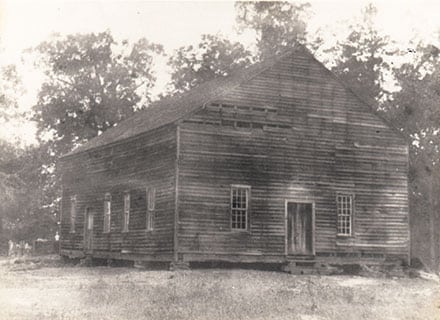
{"points": [[310, 267], [294, 268], [179, 265]]}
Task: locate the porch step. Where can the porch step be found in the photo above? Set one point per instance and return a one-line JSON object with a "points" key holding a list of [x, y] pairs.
{"points": [[309, 268], [179, 265]]}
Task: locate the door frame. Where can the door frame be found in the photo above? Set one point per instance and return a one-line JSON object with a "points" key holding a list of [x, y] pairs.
{"points": [[87, 212], [298, 200]]}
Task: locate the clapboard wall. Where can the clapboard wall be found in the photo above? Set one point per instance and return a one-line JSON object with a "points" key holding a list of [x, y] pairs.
{"points": [[292, 132], [132, 165]]}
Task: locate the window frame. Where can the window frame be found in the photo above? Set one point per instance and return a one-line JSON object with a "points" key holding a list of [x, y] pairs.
{"points": [[107, 213], [150, 197], [126, 212], [73, 214], [247, 189], [340, 213]]}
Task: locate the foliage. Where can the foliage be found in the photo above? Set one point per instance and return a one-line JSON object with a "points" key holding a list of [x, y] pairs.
{"points": [[214, 56], [22, 194], [360, 59], [361, 62], [277, 24], [415, 110], [11, 88], [8, 182], [92, 83]]}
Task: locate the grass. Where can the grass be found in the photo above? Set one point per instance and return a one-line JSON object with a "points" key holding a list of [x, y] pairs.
{"points": [[73, 292]]}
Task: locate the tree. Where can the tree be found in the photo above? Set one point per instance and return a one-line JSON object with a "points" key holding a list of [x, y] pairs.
{"points": [[11, 88], [11, 112], [416, 105], [23, 217], [213, 57], [415, 110], [277, 24], [8, 187], [92, 83], [360, 60]]}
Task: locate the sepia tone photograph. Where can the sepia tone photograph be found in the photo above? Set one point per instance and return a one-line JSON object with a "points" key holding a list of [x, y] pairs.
{"points": [[219, 160]]}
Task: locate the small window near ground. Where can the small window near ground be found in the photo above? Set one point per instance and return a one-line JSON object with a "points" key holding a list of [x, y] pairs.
{"points": [[151, 205], [126, 218], [344, 204], [72, 213], [107, 212], [239, 207]]}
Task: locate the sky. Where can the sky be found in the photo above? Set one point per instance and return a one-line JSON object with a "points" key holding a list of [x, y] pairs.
{"points": [[24, 24]]}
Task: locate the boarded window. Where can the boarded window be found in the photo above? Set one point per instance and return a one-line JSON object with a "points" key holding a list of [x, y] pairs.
{"points": [[239, 207], [344, 204], [107, 212], [72, 213], [151, 205], [126, 218]]}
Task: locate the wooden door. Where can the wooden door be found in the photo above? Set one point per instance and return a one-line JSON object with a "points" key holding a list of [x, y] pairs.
{"points": [[88, 232], [300, 228]]}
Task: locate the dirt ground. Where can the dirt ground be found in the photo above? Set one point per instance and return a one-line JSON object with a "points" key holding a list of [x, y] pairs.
{"points": [[57, 291]]}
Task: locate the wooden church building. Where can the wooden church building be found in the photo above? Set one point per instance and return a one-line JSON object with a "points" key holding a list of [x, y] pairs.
{"points": [[276, 162]]}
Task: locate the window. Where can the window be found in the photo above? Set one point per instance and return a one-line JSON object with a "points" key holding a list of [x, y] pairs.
{"points": [[107, 211], [344, 203], [239, 207], [89, 217], [126, 218], [151, 203], [72, 213]]}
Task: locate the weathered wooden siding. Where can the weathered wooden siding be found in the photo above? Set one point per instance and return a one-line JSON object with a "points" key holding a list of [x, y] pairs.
{"points": [[310, 138], [131, 165]]}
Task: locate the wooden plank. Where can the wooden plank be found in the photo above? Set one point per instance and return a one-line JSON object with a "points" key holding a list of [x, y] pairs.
{"points": [[144, 160], [291, 132], [334, 143]]}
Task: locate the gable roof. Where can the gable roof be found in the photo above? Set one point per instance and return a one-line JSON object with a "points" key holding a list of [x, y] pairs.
{"points": [[171, 109]]}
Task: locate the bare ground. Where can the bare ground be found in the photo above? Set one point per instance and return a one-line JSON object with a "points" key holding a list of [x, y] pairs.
{"points": [[56, 291]]}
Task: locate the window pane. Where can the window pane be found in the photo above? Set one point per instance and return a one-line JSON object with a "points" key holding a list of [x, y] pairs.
{"points": [[239, 213], [344, 209]]}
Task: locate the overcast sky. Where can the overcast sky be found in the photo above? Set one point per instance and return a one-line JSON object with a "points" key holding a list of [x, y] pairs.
{"points": [[174, 24]]}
